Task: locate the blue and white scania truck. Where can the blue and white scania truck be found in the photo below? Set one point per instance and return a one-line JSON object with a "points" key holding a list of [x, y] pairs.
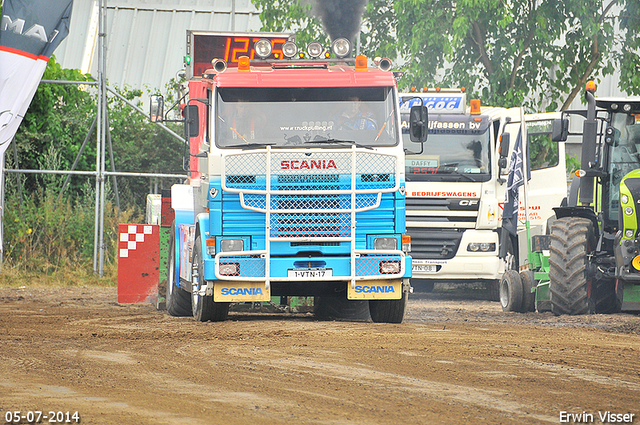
{"points": [[282, 199]]}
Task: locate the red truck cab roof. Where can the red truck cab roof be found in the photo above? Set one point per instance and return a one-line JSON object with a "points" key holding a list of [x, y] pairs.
{"points": [[305, 76]]}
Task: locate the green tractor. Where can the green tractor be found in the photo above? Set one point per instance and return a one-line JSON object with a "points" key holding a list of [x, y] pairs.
{"points": [[589, 260]]}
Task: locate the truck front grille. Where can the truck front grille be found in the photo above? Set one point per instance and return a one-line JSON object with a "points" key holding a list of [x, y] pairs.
{"points": [[310, 194], [434, 244]]}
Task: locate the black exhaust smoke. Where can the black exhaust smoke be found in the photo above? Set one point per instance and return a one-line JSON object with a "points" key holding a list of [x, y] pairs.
{"points": [[340, 18]]}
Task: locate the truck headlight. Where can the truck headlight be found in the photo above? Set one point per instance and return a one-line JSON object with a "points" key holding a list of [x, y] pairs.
{"points": [[229, 269], [341, 47], [481, 247], [263, 48], [289, 49], [314, 49], [389, 267], [385, 243], [227, 245]]}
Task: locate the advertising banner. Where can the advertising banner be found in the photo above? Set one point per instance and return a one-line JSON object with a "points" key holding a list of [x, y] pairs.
{"points": [[30, 30]]}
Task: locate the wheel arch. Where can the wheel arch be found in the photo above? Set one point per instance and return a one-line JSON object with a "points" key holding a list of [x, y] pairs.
{"points": [[202, 224]]}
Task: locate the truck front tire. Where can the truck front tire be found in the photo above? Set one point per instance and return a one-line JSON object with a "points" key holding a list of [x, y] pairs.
{"points": [[388, 311], [203, 306]]}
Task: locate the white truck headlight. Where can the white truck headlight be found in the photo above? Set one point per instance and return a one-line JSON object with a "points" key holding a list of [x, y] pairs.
{"points": [[227, 245], [314, 49], [341, 47], [385, 243], [230, 269], [481, 247], [389, 267], [263, 48], [289, 49]]}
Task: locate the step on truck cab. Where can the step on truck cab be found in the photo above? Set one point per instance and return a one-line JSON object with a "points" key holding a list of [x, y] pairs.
{"points": [[456, 184], [297, 185]]}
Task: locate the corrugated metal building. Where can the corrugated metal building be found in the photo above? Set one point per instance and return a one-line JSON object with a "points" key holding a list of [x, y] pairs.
{"points": [[146, 39]]}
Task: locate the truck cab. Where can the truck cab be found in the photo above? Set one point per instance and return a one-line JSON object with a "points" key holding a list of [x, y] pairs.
{"points": [[456, 184]]}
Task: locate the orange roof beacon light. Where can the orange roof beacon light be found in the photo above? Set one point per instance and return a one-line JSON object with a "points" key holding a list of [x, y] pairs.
{"points": [[591, 86], [361, 63], [244, 64], [412, 89], [475, 107], [462, 89]]}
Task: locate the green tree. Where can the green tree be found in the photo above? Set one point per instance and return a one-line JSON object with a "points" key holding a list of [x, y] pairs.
{"points": [[538, 52]]}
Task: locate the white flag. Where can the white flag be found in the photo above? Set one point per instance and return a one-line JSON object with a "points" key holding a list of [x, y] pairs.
{"points": [[30, 30]]}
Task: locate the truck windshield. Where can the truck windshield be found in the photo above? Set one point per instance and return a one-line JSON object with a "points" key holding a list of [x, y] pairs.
{"points": [[295, 117], [457, 149], [624, 156]]}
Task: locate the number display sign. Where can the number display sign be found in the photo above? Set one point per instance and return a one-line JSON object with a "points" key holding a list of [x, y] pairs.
{"points": [[204, 46]]}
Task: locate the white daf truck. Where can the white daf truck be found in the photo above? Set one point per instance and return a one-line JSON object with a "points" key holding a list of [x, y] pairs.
{"points": [[456, 184]]}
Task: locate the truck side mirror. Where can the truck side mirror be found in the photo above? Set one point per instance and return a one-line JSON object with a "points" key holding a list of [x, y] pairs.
{"points": [[191, 121], [156, 109], [505, 138], [418, 123], [560, 130]]}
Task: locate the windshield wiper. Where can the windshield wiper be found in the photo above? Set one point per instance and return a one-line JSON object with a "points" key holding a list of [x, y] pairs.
{"points": [[250, 146], [334, 141], [452, 168]]}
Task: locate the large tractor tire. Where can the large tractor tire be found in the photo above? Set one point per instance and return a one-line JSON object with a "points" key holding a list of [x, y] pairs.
{"points": [[388, 311], [178, 301], [570, 275], [203, 306], [511, 291]]}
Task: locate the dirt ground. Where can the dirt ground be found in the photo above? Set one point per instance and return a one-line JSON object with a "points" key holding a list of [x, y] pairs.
{"points": [[456, 359]]}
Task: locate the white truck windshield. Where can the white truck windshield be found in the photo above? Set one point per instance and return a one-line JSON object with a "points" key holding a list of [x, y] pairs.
{"points": [[452, 152], [293, 117]]}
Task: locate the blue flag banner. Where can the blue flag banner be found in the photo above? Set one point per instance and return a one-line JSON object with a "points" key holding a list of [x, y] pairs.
{"points": [[30, 30], [515, 179]]}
